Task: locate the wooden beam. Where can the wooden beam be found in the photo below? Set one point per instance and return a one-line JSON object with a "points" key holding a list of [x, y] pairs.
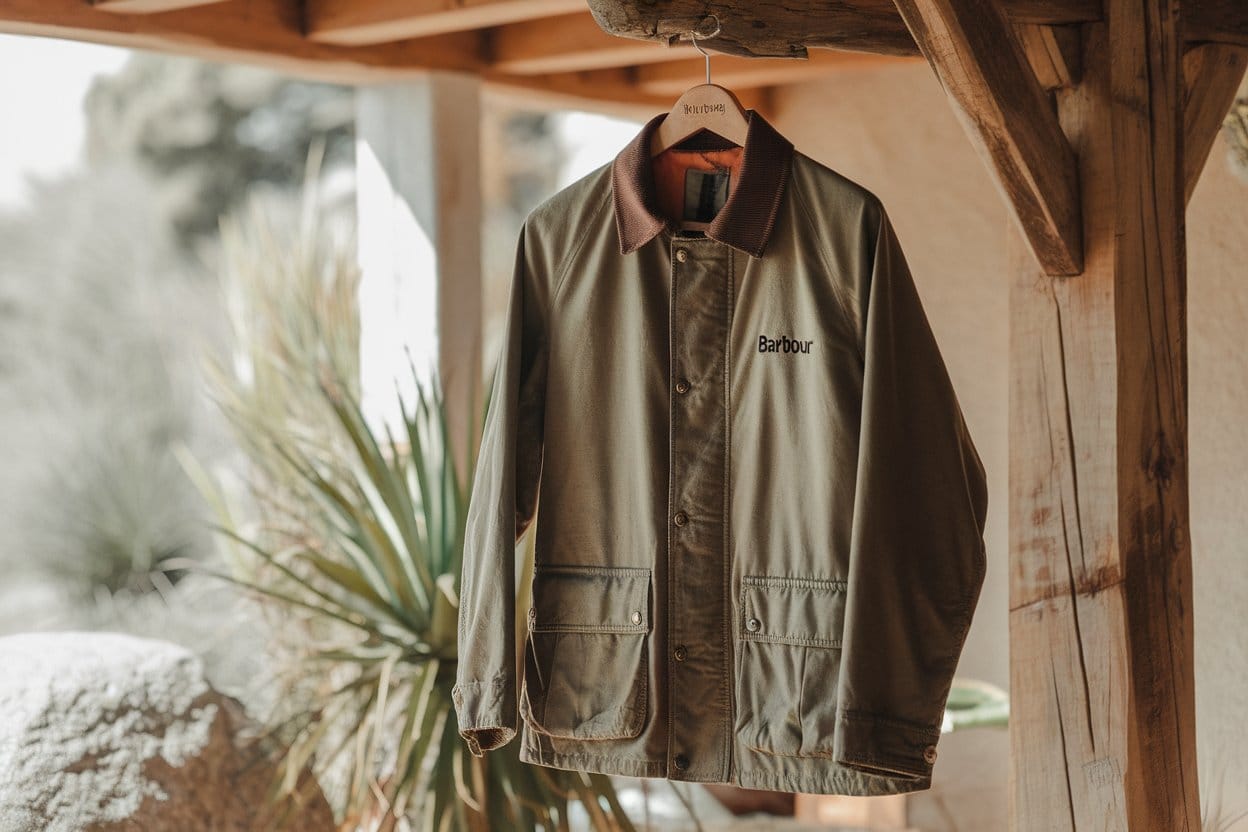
{"points": [[1009, 118], [1216, 21], [777, 28], [418, 178], [1102, 710], [355, 23], [568, 43], [614, 95], [261, 32], [147, 6], [611, 92], [1212, 75], [674, 77], [1053, 52]]}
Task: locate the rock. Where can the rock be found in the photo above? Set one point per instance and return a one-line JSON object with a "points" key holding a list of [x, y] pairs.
{"points": [[106, 732]]}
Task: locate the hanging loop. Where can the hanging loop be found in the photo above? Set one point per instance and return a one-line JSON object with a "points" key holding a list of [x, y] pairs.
{"points": [[695, 36]]}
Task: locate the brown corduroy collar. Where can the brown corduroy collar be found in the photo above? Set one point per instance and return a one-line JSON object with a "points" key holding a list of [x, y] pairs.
{"points": [[746, 218]]}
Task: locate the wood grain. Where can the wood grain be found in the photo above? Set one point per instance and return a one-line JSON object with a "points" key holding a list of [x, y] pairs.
{"points": [[1009, 118], [1102, 693], [1053, 52], [1216, 21], [785, 28]]}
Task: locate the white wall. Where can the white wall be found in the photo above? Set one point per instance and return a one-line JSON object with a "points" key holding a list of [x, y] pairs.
{"points": [[892, 130]]}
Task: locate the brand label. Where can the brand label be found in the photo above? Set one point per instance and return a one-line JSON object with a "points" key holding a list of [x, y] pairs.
{"points": [[783, 344], [702, 109]]}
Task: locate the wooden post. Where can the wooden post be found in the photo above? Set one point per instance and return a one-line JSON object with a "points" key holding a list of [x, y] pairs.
{"points": [[1102, 710], [419, 214]]}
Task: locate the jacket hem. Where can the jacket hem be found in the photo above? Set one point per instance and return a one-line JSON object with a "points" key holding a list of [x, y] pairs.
{"points": [[836, 780]]}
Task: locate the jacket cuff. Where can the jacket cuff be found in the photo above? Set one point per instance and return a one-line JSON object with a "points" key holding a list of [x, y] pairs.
{"points": [[882, 745], [485, 722]]}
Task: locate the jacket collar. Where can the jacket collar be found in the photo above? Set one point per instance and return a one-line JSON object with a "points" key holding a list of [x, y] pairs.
{"points": [[746, 218]]}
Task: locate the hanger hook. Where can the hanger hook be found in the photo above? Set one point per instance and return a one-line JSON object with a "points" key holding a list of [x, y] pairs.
{"points": [[694, 36]]}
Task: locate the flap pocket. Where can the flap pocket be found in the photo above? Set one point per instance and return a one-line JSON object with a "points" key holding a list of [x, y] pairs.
{"points": [[586, 652], [805, 611], [606, 599], [790, 638]]}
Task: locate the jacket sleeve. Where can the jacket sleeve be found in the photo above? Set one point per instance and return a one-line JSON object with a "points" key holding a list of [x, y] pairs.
{"points": [[917, 559], [502, 505]]}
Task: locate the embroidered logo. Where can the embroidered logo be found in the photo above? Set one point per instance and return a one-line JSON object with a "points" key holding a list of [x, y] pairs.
{"points": [[783, 344]]}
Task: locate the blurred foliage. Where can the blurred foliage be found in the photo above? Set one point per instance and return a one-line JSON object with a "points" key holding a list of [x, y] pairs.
{"points": [[358, 537], [974, 703], [1235, 129], [98, 332], [209, 131], [105, 306]]}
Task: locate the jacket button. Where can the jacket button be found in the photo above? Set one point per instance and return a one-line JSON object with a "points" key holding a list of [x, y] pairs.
{"points": [[636, 617], [682, 255], [753, 624], [929, 754], [681, 652], [682, 386], [681, 518], [681, 761]]}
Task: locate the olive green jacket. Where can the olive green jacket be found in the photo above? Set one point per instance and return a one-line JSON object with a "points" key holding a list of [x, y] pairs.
{"points": [[760, 542]]}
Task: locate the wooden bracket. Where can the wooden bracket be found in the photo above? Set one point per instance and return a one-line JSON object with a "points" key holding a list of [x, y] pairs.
{"points": [[1010, 118], [1054, 53], [1212, 74]]}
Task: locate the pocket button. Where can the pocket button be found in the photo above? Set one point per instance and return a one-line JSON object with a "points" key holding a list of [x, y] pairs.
{"points": [[636, 617], [753, 625]]}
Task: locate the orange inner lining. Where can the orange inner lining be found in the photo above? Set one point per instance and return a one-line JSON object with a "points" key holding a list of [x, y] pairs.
{"points": [[669, 176]]}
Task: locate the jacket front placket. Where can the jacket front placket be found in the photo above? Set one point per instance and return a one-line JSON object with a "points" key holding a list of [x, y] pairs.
{"points": [[698, 573]]}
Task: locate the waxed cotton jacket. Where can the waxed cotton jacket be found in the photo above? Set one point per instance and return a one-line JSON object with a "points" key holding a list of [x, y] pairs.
{"points": [[760, 538]]}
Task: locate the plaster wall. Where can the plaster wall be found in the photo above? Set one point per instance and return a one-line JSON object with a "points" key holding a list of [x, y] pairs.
{"points": [[892, 130]]}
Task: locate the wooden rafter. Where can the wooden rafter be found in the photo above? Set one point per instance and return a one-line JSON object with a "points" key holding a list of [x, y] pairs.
{"points": [[1008, 116], [674, 77], [567, 43], [147, 6], [355, 23], [1212, 73], [263, 32]]}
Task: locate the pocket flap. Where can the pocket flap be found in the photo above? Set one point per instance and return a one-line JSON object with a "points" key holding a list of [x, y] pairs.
{"points": [[807, 611], [578, 598]]}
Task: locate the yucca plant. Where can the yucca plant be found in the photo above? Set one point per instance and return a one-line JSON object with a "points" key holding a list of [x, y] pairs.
{"points": [[356, 538]]}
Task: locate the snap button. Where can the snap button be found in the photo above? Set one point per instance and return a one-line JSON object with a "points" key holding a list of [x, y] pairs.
{"points": [[636, 617], [681, 761], [929, 754], [682, 386], [681, 518], [682, 255], [753, 624], [681, 652]]}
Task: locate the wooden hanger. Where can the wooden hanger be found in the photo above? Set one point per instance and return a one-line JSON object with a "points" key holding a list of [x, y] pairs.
{"points": [[704, 107]]}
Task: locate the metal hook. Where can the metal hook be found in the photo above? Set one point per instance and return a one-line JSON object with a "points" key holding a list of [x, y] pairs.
{"points": [[693, 38]]}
